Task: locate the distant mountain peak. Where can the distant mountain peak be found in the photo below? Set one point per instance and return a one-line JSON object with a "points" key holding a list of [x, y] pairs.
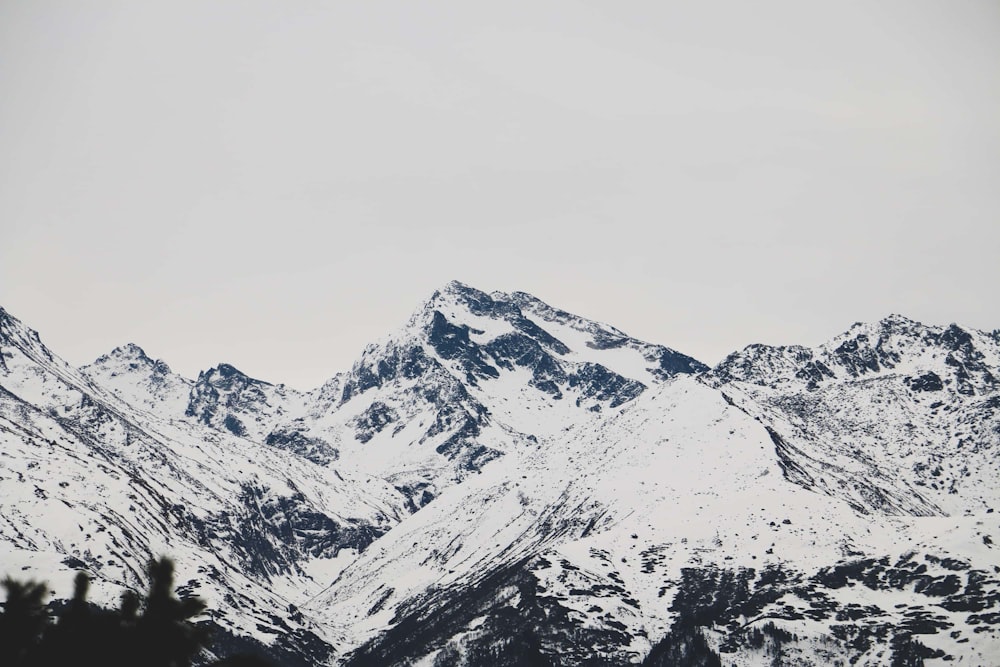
{"points": [[131, 357], [228, 370], [451, 290], [227, 374], [458, 287], [19, 335], [893, 345], [456, 293], [8, 321], [893, 323], [130, 351], [502, 481], [481, 336], [895, 319]]}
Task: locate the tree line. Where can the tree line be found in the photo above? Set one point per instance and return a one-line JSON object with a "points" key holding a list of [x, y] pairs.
{"points": [[155, 630]]}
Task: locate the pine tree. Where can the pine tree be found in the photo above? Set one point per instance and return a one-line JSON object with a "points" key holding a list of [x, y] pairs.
{"points": [[157, 631], [165, 626], [23, 621]]}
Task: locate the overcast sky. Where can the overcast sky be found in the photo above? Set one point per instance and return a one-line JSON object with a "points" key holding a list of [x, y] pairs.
{"points": [[276, 184]]}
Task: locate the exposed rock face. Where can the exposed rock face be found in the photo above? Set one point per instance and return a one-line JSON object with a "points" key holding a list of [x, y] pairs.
{"points": [[912, 408], [502, 482], [105, 477], [225, 398]]}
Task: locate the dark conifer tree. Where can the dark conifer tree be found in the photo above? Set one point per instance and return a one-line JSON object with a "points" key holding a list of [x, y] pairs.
{"points": [[23, 621], [157, 631], [165, 627]]}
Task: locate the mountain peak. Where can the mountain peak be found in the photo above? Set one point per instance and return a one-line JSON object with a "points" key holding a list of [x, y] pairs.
{"points": [[495, 417], [226, 374], [890, 324], [7, 320], [131, 356], [901, 328], [130, 351], [455, 292], [227, 370], [895, 320], [481, 335], [16, 333], [895, 345], [458, 287]]}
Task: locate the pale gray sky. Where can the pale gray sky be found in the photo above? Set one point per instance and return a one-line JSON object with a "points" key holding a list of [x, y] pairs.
{"points": [[275, 184]]}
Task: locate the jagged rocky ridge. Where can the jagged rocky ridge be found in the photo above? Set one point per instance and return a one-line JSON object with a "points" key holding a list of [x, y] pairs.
{"points": [[913, 405], [500, 481]]}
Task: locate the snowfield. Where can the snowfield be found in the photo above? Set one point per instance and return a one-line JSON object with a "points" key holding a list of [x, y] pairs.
{"points": [[500, 480]]}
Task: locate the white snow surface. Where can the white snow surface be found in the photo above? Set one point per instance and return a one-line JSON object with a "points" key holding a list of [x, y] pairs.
{"points": [[469, 441]]}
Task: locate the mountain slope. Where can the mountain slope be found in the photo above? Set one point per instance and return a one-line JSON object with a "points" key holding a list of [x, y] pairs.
{"points": [[466, 377], [579, 550], [458, 602], [88, 481], [501, 482], [914, 405]]}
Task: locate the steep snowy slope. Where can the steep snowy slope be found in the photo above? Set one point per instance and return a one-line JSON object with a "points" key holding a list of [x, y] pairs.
{"points": [[469, 376], [141, 381], [449, 565], [468, 379], [916, 407], [644, 470], [222, 398], [502, 482], [575, 550], [88, 481], [590, 340], [225, 398]]}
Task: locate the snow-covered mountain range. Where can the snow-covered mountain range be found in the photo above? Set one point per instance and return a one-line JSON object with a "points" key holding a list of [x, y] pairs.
{"points": [[502, 482]]}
